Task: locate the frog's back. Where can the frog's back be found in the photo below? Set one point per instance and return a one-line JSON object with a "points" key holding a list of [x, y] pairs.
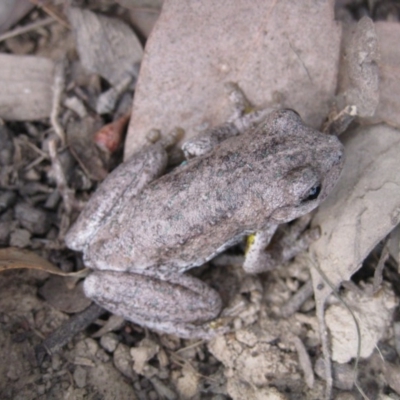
{"points": [[185, 217]]}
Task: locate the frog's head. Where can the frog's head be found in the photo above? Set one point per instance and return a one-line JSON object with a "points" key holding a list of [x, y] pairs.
{"points": [[313, 169]]}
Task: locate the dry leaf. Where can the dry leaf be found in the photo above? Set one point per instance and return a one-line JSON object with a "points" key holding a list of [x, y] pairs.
{"points": [[13, 258], [61, 296], [143, 4], [143, 14], [363, 208], [374, 315], [12, 11], [109, 137], [389, 105], [26, 92], [279, 52], [359, 77], [143, 20], [106, 46], [80, 140]]}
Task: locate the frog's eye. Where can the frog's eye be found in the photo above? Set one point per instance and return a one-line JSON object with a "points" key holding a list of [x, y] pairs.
{"points": [[312, 194]]}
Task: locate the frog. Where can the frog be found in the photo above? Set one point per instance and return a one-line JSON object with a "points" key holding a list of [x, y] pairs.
{"points": [[144, 229]]}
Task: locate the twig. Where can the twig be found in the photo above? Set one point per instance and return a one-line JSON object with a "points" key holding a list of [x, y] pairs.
{"points": [[191, 346], [297, 300], [52, 11], [35, 162], [67, 331], [325, 350], [58, 89], [379, 268], [67, 194], [184, 362], [324, 338], [62, 185], [26, 28], [304, 361]]}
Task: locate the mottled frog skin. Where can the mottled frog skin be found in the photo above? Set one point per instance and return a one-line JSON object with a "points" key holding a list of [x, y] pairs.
{"points": [[142, 230]]}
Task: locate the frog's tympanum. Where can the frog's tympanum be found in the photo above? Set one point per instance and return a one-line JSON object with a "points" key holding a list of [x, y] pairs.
{"points": [[142, 230]]}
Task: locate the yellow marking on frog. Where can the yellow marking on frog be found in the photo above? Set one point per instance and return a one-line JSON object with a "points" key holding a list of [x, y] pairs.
{"points": [[217, 323], [249, 242], [248, 109], [220, 322]]}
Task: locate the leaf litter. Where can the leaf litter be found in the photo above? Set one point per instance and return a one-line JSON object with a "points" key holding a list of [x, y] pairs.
{"points": [[310, 63]]}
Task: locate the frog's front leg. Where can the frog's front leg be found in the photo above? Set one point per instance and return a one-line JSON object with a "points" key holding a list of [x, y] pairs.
{"points": [[263, 255], [181, 305]]}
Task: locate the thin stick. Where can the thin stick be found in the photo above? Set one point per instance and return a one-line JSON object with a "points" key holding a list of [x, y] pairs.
{"points": [[26, 28], [52, 11], [58, 89], [67, 331], [379, 269], [305, 361], [297, 300], [67, 194]]}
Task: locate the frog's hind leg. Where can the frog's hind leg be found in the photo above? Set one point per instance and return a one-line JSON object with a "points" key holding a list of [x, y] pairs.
{"points": [[261, 255], [183, 305], [121, 185]]}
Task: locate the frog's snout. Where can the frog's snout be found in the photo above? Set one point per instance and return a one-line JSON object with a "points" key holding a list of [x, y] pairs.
{"points": [[338, 160], [334, 168]]}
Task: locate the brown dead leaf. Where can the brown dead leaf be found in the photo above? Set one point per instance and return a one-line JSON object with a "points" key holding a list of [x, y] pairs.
{"points": [[13, 258], [279, 52], [363, 208], [26, 92], [109, 137]]}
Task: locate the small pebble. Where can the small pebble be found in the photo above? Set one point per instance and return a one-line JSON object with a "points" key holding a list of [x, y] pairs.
{"points": [[80, 376], [109, 342]]}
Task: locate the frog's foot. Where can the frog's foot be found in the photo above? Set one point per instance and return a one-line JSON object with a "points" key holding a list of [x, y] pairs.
{"points": [[244, 117], [262, 255], [241, 104], [205, 142], [167, 141], [182, 306]]}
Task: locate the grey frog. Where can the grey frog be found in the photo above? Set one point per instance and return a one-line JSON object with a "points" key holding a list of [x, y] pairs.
{"points": [[141, 231]]}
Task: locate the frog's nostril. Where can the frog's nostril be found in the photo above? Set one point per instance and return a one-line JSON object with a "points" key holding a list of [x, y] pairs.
{"points": [[338, 159]]}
